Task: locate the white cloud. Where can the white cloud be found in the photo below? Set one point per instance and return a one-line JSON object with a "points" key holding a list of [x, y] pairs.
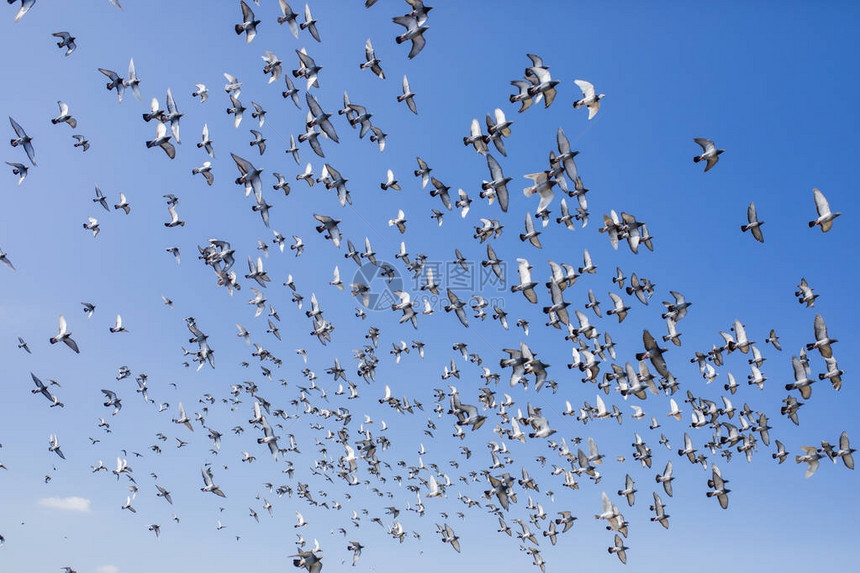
{"points": [[107, 569], [72, 503]]}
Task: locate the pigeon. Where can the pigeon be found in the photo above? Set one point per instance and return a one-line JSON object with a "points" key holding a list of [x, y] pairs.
{"points": [[288, 17], [202, 92], [65, 116], [754, 225], [208, 483], [415, 28], [81, 141], [66, 41], [133, 81], [101, 199], [123, 204], [390, 182], [65, 336], [710, 152], [115, 83], [497, 188], [92, 224], [308, 69], [248, 25], [20, 170], [23, 140], [825, 215], [25, 7], [162, 140], [4, 258], [310, 24], [590, 99], [372, 61], [408, 96], [206, 142]]}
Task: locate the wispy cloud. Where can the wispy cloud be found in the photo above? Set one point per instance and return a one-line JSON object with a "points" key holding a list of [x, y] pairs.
{"points": [[107, 569], [72, 503]]}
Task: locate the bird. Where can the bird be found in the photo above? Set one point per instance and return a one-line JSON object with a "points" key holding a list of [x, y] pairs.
{"points": [[123, 204], [202, 92], [23, 140], [65, 116], [754, 225], [288, 17], [206, 171], [822, 207], [115, 83], [65, 336], [82, 142], [133, 81], [415, 27], [4, 258], [54, 446], [590, 98], [710, 153], [118, 327], [408, 96], [19, 169], [25, 7], [248, 25], [310, 24], [208, 483], [372, 61], [162, 140]]}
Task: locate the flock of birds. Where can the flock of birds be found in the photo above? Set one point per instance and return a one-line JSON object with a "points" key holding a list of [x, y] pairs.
{"points": [[717, 429]]}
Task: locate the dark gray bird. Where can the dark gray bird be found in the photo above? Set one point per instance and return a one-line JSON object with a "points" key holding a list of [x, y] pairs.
{"points": [[101, 199], [66, 41], [754, 225], [329, 227], [20, 170], [289, 18], [249, 23], [415, 28], [497, 187], [4, 258], [24, 140], [310, 24], [115, 83], [81, 141]]}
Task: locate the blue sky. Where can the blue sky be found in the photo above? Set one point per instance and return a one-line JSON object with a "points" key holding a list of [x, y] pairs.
{"points": [[771, 86]]}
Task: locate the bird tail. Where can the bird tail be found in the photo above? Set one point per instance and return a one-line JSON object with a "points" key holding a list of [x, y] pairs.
{"points": [[239, 29], [697, 158], [812, 224]]}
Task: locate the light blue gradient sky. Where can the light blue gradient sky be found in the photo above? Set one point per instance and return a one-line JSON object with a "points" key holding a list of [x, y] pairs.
{"points": [[773, 85]]}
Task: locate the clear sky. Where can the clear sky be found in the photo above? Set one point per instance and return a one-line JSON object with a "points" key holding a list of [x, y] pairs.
{"points": [[773, 85]]}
